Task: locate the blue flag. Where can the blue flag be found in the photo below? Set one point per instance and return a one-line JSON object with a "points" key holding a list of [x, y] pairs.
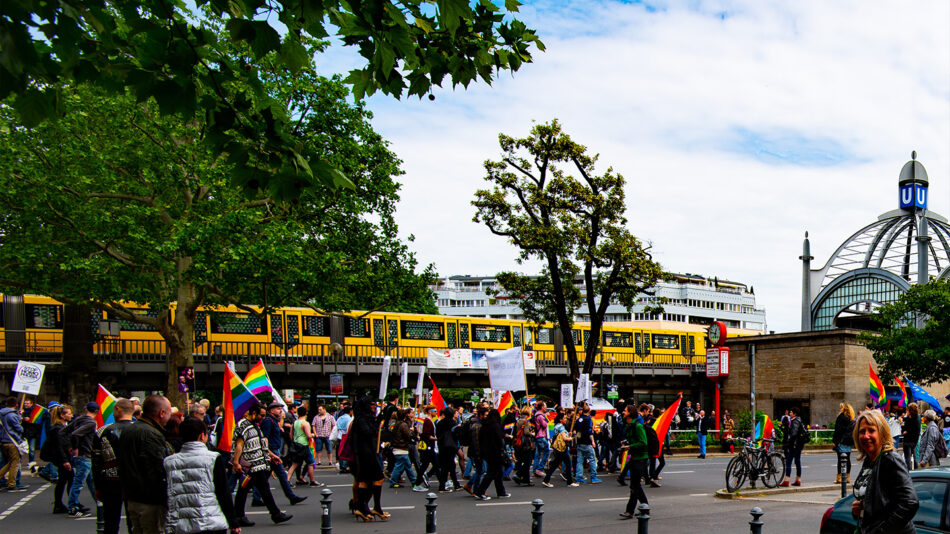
{"points": [[920, 394]]}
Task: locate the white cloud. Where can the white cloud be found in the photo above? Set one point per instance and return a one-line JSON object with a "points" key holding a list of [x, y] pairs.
{"points": [[677, 101]]}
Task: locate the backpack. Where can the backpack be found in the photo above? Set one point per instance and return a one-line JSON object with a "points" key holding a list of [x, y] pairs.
{"points": [[803, 437], [653, 441], [345, 450], [475, 428], [463, 434], [940, 448], [523, 441], [848, 438]]}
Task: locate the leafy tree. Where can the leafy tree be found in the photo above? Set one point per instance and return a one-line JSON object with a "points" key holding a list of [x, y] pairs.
{"points": [[117, 203], [161, 50], [914, 339], [574, 223]]}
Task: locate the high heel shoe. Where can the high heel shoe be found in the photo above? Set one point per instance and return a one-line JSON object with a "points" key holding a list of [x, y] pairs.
{"points": [[383, 516], [364, 517]]}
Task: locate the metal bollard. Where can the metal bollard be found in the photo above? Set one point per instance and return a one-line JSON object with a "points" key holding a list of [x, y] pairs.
{"points": [[430, 512], [756, 525], [643, 518], [325, 502], [100, 518], [843, 469], [536, 516]]}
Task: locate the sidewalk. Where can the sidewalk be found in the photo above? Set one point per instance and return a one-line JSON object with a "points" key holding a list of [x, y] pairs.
{"points": [[806, 493]]}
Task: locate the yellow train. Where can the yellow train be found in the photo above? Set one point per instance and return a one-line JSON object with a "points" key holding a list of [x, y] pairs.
{"points": [[292, 332]]}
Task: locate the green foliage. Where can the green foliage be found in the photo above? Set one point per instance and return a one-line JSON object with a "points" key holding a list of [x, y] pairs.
{"points": [[922, 353], [163, 51], [117, 202], [547, 199]]}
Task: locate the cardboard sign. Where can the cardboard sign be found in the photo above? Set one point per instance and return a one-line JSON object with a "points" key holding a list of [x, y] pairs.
{"points": [[384, 377], [567, 395], [583, 388], [422, 374], [404, 375], [28, 377], [506, 370]]}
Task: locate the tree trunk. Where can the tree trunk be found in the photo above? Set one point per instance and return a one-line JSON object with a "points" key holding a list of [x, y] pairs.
{"points": [[79, 372], [181, 339]]}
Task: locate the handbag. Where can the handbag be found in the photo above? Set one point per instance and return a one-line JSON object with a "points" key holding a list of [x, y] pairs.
{"points": [[21, 444], [345, 451]]}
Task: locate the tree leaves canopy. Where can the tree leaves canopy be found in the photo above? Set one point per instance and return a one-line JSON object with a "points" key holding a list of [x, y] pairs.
{"points": [[905, 348], [161, 50], [547, 199]]}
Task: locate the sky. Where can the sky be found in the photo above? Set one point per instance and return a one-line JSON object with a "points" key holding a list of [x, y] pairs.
{"points": [[738, 126]]}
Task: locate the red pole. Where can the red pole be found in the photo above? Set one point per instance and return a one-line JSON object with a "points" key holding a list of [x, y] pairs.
{"points": [[718, 414]]}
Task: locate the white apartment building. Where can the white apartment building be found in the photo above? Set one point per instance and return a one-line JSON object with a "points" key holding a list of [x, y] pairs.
{"points": [[693, 301]]}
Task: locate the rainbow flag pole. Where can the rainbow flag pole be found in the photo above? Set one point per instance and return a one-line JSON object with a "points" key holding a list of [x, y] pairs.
{"points": [[878, 394], [258, 381], [36, 414], [237, 400], [106, 402]]}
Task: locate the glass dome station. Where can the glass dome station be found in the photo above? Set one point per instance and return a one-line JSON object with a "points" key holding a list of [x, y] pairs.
{"points": [[879, 262]]}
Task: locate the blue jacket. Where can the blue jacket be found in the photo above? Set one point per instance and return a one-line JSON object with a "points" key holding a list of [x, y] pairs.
{"points": [[10, 419], [270, 427]]}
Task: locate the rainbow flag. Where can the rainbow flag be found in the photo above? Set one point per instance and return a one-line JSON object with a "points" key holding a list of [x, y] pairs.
{"points": [[313, 447], [878, 395], [509, 426], [763, 429], [905, 398], [36, 414], [505, 402], [662, 424], [106, 403], [237, 400], [623, 460], [258, 381], [437, 397], [420, 420], [550, 416]]}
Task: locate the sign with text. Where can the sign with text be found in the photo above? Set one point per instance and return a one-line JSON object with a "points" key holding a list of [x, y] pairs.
{"points": [[717, 362], [28, 377], [384, 377], [506, 370], [567, 395], [336, 384], [613, 391], [404, 376], [583, 388], [422, 374]]}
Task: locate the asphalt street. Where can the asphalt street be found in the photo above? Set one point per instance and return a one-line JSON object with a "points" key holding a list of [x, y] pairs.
{"points": [[685, 503]]}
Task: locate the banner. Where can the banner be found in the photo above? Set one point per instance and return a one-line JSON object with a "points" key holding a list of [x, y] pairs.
{"points": [[28, 377], [384, 377], [404, 376], [506, 370], [567, 395], [529, 364], [583, 388], [336, 384], [449, 359], [422, 374]]}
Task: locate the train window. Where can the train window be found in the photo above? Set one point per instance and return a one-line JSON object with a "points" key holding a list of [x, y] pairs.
{"points": [[544, 336], [201, 327], [692, 345], [516, 335], [618, 339], [638, 347], [463, 336], [379, 338], [586, 338], [356, 327], [393, 332], [276, 329], [453, 338], [138, 327], [44, 316], [665, 341], [683, 344], [236, 323], [576, 336], [487, 333], [423, 330], [316, 326]]}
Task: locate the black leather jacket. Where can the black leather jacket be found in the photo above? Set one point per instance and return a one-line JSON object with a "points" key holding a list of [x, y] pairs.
{"points": [[891, 500]]}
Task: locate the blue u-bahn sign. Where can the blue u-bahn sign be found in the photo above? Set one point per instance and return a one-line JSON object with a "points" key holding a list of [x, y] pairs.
{"points": [[913, 196]]}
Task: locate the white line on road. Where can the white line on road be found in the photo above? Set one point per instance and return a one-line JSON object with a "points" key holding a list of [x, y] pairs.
{"points": [[16, 506], [502, 503], [609, 499], [339, 485], [677, 472], [699, 494]]}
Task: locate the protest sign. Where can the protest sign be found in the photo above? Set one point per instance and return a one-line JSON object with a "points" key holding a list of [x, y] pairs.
{"points": [[28, 377], [583, 388], [506, 370], [384, 377], [404, 375], [422, 374], [567, 395]]}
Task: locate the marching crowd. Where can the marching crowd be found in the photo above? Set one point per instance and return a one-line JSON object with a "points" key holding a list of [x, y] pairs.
{"points": [[165, 469]]}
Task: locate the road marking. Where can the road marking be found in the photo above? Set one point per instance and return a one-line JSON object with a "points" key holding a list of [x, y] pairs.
{"points": [[677, 472], [609, 499], [502, 503], [699, 494], [16, 506], [339, 485]]}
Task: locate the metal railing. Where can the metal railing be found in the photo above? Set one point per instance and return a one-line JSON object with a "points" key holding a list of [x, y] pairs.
{"points": [[31, 346]]}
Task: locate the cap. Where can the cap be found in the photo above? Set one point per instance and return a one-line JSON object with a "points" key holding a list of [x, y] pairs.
{"points": [[52, 404], [273, 405], [92, 407]]}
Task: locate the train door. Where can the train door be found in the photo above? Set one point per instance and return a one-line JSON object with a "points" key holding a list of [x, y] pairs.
{"points": [[284, 330], [451, 333]]}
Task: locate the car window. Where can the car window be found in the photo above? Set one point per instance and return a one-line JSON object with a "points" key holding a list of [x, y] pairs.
{"points": [[932, 496]]}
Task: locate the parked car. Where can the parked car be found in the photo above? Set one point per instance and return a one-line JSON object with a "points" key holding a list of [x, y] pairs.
{"points": [[933, 516]]}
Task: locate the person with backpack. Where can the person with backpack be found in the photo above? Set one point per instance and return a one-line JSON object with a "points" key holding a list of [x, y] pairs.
{"points": [[105, 465], [471, 435], [653, 447], [794, 443], [585, 446], [844, 427], [11, 434], [560, 456], [636, 446], [932, 447], [523, 442], [542, 446], [448, 449], [56, 452]]}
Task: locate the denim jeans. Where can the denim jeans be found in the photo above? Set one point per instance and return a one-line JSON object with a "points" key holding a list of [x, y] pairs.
{"points": [[402, 464], [585, 453], [82, 474], [702, 444], [542, 451], [477, 475]]}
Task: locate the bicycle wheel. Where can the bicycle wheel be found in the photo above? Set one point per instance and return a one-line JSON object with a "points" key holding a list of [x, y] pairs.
{"points": [[735, 473], [774, 470]]}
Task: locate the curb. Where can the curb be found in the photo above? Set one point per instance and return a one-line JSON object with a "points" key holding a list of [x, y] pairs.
{"points": [[764, 492]]}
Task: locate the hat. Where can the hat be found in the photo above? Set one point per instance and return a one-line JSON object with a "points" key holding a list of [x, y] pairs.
{"points": [[273, 405], [52, 404], [92, 407]]}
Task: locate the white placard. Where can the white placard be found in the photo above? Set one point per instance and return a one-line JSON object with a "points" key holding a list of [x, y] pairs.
{"points": [[28, 377], [529, 364], [567, 395], [422, 374], [448, 359], [506, 370], [384, 378], [712, 362], [583, 388], [404, 376]]}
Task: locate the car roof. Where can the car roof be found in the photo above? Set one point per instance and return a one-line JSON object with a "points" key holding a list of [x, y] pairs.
{"points": [[940, 471]]}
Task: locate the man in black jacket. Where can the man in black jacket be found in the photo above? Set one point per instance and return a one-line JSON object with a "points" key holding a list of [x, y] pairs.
{"points": [[142, 451], [702, 429], [105, 464], [79, 434]]}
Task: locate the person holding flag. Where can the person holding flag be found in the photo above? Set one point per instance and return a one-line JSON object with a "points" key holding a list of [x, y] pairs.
{"points": [[79, 434], [636, 458], [32, 417]]}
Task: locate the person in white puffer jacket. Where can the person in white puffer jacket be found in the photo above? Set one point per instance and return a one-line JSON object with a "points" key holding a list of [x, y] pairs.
{"points": [[198, 495]]}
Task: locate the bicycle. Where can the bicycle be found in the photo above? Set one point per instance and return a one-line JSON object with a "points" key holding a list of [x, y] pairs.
{"points": [[754, 462]]}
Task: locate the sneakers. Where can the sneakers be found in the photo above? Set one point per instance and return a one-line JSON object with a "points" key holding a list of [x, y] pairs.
{"points": [[547, 484], [419, 487], [317, 484], [626, 515], [564, 478], [797, 483], [655, 484], [77, 513], [297, 500], [582, 481], [60, 509], [483, 497], [516, 479], [595, 480], [539, 473], [573, 485], [282, 518], [784, 484], [505, 496]]}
